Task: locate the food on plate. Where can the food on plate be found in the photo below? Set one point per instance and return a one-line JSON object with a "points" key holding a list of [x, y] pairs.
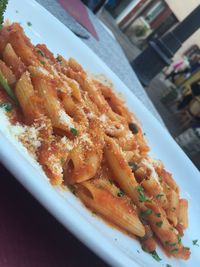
{"points": [[84, 137]]}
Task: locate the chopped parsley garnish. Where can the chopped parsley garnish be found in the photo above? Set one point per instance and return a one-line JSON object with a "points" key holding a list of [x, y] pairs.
{"points": [[133, 166], [59, 59], [7, 106], [174, 250], [4, 84], [29, 23], [195, 242], [146, 212], [159, 224], [144, 248], [3, 5], [74, 131], [111, 181], [142, 197], [172, 244], [42, 62], [179, 239], [62, 161], [159, 196], [158, 215], [120, 193], [94, 214], [40, 53], [155, 256], [133, 127]]}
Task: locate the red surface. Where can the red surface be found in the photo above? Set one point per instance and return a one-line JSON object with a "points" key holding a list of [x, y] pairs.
{"points": [[31, 237], [78, 10]]}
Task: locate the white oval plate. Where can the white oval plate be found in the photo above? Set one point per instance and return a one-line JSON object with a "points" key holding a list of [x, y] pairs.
{"points": [[114, 247]]}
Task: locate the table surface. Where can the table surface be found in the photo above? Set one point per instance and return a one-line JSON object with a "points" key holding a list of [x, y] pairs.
{"points": [[29, 235]]}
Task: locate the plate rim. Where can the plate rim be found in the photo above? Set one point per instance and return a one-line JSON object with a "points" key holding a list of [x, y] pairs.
{"points": [[29, 185]]}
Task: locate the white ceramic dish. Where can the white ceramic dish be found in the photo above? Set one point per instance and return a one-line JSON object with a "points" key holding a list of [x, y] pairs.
{"points": [[111, 245]]}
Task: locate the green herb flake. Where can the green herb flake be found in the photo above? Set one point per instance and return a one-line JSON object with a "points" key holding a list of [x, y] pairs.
{"points": [[144, 248], [94, 214], [142, 197], [133, 166], [29, 23], [111, 181], [158, 215], [133, 127], [155, 256], [179, 239], [120, 193], [74, 131], [159, 196], [172, 244], [42, 62], [6, 106], [4, 84], [194, 242], [40, 53], [174, 250], [59, 59], [62, 161], [159, 224], [146, 212]]}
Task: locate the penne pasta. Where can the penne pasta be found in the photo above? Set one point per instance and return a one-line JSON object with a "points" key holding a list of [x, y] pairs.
{"points": [[183, 213], [113, 208], [84, 137], [13, 61], [173, 207], [29, 102], [7, 73]]}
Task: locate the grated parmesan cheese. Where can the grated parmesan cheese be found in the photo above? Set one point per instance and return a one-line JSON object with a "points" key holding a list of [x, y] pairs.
{"points": [[67, 143], [91, 115], [12, 132], [85, 139], [147, 163], [43, 70], [65, 119], [103, 118], [55, 165]]}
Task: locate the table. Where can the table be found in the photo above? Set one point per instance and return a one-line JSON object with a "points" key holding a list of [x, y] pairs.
{"points": [[29, 235]]}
